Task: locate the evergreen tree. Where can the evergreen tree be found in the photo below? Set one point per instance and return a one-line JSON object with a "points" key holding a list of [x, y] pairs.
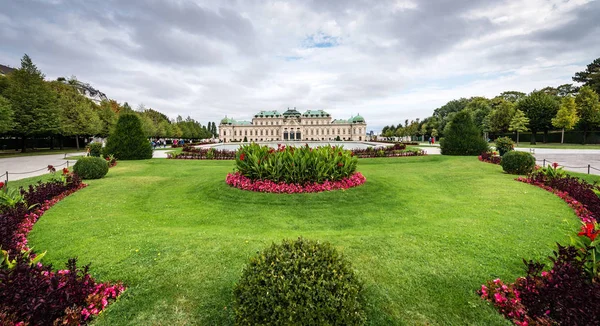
{"points": [[588, 110], [518, 123], [462, 136], [30, 96], [128, 141], [566, 118], [590, 76], [6, 115]]}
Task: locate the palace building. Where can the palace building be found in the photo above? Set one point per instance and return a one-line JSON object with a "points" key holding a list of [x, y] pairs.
{"points": [[293, 126]]}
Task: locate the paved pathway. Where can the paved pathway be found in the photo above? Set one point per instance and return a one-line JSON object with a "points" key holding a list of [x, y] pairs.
{"points": [[575, 160], [31, 166]]}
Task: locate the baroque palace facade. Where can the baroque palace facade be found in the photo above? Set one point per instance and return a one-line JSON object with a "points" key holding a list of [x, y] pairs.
{"points": [[293, 126]]}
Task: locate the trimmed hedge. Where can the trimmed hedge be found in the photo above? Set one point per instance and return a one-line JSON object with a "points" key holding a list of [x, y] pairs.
{"points": [[515, 162], [300, 282], [91, 167], [127, 141]]}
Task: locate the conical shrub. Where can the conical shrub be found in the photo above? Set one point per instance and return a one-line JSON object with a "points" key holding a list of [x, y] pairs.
{"points": [[127, 141]]}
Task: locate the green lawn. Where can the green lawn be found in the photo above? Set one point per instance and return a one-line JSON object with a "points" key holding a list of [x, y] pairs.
{"points": [[423, 233]]}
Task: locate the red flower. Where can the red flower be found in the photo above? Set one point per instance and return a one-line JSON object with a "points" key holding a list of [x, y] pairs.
{"points": [[555, 165], [65, 171], [352, 154], [589, 230], [1, 185], [340, 164], [51, 168], [242, 156]]}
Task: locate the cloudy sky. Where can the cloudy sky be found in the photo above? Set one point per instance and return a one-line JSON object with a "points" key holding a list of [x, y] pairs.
{"points": [[387, 60]]}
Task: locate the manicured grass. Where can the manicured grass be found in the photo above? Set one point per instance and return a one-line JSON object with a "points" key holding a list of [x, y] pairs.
{"points": [[423, 233]]}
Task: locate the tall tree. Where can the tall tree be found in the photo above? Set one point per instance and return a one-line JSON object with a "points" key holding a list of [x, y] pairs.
{"points": [[588, 110], [566, 118], [33, 101], [518, 123], [480, 108], [539, 108], [500, 117], [566, 90], [6, 115], [512, 96], [108, 117], [590, 76], [77, 116]]}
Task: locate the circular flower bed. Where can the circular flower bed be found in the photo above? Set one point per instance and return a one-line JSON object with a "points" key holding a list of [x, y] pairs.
{"points": [[239, 181], [294, 169]]}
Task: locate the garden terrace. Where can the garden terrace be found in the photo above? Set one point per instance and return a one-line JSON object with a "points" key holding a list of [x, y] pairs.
{"points": [[423, 233]]}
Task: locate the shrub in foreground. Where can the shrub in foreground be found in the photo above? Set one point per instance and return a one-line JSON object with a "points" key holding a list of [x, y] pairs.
{"points": [[515, 162], [128, 141], [463, 137], [91, 167], [504, 145], [299, 282]]}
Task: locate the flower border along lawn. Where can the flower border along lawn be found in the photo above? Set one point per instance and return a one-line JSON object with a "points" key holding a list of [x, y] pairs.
{"points": [[423, 233]]}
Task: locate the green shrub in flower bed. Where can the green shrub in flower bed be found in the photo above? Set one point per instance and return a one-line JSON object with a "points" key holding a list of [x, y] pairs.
{"points": [[295, 165], [299, 282], [390, 151], [504, 145], [91, 167], [515, 162]]}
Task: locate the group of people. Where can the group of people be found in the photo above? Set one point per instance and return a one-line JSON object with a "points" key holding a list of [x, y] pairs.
{"points": [[158, 143]]}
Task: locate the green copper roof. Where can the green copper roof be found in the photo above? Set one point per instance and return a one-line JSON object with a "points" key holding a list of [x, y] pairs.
{"points": [[357, 119], [267, 114], [226, 120], [315, 113], [291, 113], [241, 123]]}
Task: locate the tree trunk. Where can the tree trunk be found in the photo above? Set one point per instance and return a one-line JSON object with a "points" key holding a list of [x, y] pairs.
{"points": [[545, 136], [77, 141], [60, 140], [562, 136], [533, 133], [517, 138], [51, 142], [584, 136], [23, 143]]}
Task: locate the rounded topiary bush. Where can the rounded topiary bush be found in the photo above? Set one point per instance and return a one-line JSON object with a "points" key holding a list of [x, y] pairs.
{"points": [[515, 162], [462, 137], [299, 282], [91, 167], [128, 141]]}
